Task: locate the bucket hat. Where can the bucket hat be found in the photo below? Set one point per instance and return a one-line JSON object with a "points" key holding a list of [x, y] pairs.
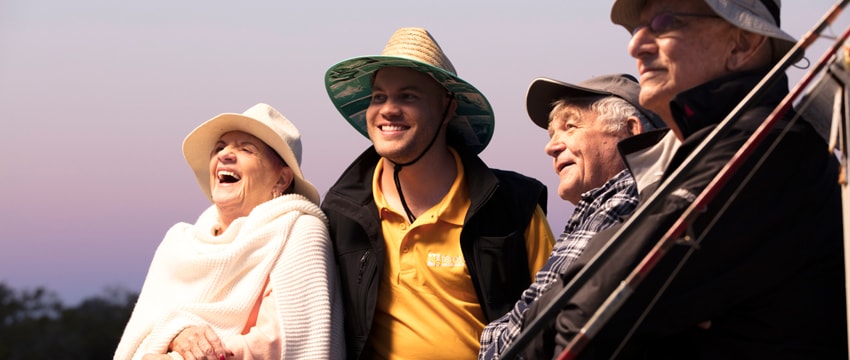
{"points": [[349, 85], [757, 16], [544, 91], [261, 121]]}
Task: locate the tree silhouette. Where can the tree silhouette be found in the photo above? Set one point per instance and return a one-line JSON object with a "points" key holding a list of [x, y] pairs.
{"points": [[35, 325]]}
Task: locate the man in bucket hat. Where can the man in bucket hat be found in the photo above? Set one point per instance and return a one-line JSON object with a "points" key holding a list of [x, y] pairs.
{"points": [[585, 122], [761, 273], [431, 243]]}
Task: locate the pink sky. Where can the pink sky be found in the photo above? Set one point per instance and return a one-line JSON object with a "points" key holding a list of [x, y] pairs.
{"points": [[96, 97]]}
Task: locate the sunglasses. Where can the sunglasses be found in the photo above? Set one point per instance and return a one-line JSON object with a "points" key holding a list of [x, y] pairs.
{"points": [[666, 21]]}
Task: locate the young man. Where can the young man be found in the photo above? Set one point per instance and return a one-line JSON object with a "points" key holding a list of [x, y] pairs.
{"points": [[585, 123], [768, 267], [431, 243]]}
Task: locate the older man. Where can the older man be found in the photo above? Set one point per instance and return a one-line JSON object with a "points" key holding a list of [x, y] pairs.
{"points": [[585, 123], [766, 278]]}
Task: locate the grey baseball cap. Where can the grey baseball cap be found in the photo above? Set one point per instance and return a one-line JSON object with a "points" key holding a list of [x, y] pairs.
{"points": [[544, 91]]}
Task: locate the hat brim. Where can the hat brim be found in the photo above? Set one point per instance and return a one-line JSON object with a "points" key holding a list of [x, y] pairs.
{"points": [[627, 14], [198, 146], [744, 19], [349, 85], [542, 92]]}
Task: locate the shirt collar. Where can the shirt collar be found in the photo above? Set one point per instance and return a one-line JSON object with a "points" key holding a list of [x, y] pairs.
{"points": [[451, 209]]}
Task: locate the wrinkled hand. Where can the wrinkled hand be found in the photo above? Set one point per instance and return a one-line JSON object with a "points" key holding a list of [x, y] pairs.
{"points": [[199, 342]]}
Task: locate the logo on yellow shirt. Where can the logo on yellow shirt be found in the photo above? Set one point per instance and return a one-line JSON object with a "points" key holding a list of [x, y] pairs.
{"points": [[440, 260]]}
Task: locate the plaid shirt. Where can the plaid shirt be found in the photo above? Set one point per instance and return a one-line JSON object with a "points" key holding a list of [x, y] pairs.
{"points": [[598, 209]]}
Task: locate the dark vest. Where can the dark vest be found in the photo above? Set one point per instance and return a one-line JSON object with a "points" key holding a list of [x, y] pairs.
{"points": [[502, 204]]}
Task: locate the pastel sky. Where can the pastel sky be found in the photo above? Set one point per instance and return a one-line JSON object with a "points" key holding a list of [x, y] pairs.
{"points": [[96, 97]]}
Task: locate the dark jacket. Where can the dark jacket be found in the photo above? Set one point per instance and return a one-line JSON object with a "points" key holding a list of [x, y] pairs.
{"points": [[492, 239], [768, 273]]}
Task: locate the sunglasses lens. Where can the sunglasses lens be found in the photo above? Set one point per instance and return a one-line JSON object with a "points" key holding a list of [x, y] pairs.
{"points": [[661, 23]]}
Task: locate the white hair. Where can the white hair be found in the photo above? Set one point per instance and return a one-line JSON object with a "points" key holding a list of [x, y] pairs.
{"points": [[611, 110]]}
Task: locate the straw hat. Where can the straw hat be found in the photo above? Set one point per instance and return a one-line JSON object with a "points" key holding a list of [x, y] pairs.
{"points": [[757, 16], [544, 91], [261, 121], [349, 85]]}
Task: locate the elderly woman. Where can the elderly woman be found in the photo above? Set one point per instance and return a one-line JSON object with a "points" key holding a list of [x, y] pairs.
{"points": [[253, 277]]}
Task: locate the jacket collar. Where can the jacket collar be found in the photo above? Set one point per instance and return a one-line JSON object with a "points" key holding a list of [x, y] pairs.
{"points": [[647, 156], [481, 181], [708, 104]]}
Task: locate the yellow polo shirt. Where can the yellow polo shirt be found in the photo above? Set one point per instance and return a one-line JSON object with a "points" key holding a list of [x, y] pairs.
{"points": [[427, 307]]}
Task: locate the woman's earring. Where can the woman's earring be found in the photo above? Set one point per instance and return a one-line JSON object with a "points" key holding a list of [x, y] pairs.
{"points": [[276, 193]]}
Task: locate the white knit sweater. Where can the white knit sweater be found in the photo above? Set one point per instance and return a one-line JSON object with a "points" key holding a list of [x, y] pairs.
{"points": [[196, 278]]}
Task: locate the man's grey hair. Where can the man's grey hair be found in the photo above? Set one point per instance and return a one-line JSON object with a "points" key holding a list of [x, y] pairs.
{"points": [[610, 109]]}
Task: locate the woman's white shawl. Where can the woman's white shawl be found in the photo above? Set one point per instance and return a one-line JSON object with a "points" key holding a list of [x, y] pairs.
{"points": [[196, 278]]}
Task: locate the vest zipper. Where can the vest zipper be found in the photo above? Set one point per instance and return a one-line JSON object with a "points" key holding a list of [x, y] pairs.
{"points": [[362, 265]]}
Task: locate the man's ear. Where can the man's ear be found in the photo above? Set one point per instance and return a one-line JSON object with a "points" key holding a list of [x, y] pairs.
{"points": [[633, 125], [749, 51]]}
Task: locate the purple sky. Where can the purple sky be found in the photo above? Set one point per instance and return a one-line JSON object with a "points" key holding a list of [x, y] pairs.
{"points": [[97, 96]]}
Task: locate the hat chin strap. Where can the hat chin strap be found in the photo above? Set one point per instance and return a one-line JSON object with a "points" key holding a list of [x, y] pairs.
{"points": [[397, 167]]}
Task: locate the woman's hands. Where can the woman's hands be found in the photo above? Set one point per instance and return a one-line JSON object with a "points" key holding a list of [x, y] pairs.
{"points": [[156, 357], [199, 342]]}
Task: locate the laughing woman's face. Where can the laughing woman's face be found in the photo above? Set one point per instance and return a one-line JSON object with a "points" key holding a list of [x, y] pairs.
{"points": [[244, 172]]}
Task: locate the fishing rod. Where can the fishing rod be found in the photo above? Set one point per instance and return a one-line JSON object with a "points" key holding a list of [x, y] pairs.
{"points": [[549, 311], [621, 294]]}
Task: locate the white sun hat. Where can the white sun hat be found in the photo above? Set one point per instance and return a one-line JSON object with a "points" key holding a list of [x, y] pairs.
{"points": [[261, 121]]}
